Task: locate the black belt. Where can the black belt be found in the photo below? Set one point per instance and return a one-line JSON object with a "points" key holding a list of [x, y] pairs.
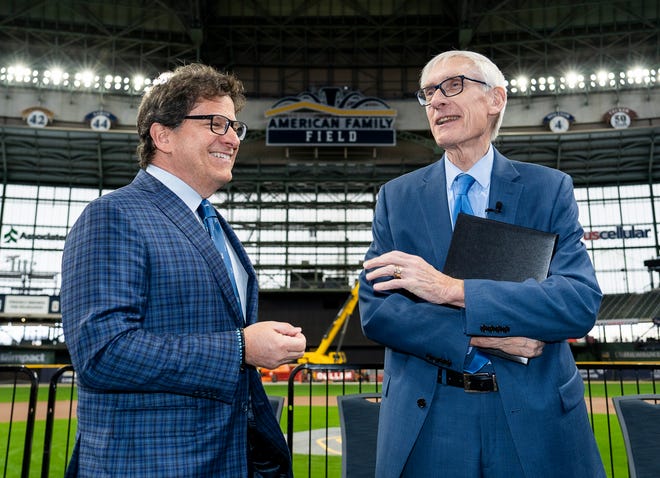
{"points": [[470, 382]]}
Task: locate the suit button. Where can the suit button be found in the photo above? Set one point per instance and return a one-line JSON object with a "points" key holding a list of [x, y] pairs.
{"points": [[421, 403]]}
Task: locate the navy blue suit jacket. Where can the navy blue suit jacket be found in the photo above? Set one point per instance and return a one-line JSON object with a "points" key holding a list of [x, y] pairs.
{"points": [[544, 400], [151, 323]]}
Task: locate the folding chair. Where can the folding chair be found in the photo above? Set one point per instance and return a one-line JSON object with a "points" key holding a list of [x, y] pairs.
{"points": [[639, 417], [278, 405], [358, 418]]}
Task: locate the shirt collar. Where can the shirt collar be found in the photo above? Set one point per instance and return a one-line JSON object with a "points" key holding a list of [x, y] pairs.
{"points": [[481, 170], [187, 194]]}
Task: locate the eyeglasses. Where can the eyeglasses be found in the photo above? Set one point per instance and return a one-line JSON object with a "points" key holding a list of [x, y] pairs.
{"points": [[220, 124], [450, 87]]}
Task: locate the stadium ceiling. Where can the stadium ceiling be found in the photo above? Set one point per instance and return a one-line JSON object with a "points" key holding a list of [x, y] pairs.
{"points": [[83, 158], [278, 47], [283, 47]]}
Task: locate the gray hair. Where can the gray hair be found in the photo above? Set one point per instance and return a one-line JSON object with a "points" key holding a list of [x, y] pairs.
{"points": [[490, 73]]}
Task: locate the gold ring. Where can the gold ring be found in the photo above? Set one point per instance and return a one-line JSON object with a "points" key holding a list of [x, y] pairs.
{"points": [[397, 272]]}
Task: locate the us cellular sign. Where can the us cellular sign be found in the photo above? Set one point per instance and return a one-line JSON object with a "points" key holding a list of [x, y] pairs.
{"points": [[618, 233], [330, 117]]}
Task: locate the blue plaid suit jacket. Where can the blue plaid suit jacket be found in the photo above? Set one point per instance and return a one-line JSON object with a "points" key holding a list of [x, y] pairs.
{"points": [[151, 325]]}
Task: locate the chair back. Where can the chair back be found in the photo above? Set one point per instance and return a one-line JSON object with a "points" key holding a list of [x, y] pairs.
{"points": [[358, 417], [639, 417], [278, 405]]}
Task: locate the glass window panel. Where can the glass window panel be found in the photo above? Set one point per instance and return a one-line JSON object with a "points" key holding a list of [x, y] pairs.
{"points": [[273, 235], [301, 215], [51, 213], [21, 191], [331, 215], [274, 215], [594, 193], [249, 214], [601, 213], [19, 211], [361, 215], [580, 194], [636, 211], [83, 194], [634, 191]]}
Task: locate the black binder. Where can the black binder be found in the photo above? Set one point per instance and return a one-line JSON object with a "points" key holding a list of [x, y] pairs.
{"points": [[487, 249]]}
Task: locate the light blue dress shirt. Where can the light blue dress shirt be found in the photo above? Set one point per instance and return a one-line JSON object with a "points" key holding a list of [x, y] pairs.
{"points": [[480, 190]]}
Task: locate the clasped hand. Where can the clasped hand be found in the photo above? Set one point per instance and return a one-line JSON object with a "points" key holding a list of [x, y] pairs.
{"points": [[412, 273], [270, 344]]}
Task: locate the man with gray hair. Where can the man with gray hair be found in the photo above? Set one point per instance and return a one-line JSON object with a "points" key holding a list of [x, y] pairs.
{"points": [[450, 409]]}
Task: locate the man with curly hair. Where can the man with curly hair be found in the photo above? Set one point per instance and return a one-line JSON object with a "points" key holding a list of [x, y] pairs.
{"points": [[159, 305]]}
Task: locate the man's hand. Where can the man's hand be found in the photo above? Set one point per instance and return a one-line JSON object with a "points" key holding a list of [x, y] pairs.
{"points": [[521, 346], [270, 344], [414, 274]]}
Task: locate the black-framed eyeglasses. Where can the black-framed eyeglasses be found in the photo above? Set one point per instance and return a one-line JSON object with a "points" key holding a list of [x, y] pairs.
{"points": [[220, 124], [450, 87]]}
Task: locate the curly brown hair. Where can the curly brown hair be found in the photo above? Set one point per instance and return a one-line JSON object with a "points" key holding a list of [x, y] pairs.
{"points": [[175, 94]]}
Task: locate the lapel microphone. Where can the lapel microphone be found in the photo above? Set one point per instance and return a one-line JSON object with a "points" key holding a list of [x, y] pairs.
{"points": [[497, 209]]}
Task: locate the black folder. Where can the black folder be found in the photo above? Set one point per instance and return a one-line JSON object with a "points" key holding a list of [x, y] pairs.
{"points": [[487, 249], [483, 248]]}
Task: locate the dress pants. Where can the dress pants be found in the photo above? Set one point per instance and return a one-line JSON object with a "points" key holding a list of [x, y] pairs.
{"points": [[465, 435]]}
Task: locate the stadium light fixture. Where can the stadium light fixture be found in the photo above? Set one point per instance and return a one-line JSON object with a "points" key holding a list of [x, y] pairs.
{"points": [[57, 77]]}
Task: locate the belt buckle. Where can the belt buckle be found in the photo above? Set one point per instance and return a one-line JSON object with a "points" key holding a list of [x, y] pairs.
{"points": [[468, 381]]}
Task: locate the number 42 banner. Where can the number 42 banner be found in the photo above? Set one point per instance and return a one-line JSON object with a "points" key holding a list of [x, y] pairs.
{"points": [[37, 116]]}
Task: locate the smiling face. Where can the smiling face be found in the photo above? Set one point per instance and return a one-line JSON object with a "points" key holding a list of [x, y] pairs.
{"points": [[193, 153], [462, 124]]}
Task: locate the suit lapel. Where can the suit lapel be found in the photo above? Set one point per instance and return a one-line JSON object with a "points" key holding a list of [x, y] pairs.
{"points": [[505, 189], [434, 204], [182, 218]]}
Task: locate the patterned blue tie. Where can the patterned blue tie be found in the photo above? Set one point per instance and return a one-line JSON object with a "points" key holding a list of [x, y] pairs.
{"points": [[212, 225], [462, 204]]}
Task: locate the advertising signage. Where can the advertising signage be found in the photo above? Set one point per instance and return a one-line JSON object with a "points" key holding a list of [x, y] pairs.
{"points": [[330, 117]]}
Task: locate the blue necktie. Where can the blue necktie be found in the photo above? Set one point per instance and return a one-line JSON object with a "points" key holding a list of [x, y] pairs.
{"points": [[462, 204], [212, 225]]}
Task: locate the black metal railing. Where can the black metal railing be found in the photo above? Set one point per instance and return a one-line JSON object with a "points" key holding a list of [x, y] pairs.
{"points": [[311, 412], [55, 381], [13, 376]]}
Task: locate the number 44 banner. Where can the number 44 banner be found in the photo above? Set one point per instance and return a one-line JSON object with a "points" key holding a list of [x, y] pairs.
{"points": [[100, 120]]}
